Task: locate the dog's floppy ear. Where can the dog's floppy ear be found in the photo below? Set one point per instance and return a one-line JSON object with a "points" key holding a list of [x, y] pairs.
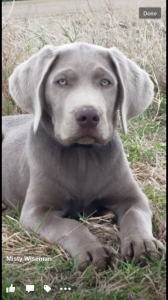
{"points": [[26, 84], [135, 89]]}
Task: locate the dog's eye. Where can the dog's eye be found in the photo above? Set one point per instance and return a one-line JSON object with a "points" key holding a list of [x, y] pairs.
{"points": [[105, 82], [62, 81]]}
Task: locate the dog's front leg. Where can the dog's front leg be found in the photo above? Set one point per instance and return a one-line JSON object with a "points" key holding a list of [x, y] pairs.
{"points": [[135, 221], [72, 235]]}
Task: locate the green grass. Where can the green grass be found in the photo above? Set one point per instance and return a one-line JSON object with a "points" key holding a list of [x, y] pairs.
{"points": [[127, 280], [146, 135], [71, 36]]}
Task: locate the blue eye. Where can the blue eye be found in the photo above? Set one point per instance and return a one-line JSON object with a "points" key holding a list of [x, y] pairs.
{"points": [[62, 81], [105, 82]]}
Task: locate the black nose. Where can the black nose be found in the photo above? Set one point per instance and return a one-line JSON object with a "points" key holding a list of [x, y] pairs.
{"points": [[87, 117]]}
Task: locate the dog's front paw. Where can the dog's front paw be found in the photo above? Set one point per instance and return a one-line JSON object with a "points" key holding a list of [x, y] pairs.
{"points": [[136, 247], [99, 256]]}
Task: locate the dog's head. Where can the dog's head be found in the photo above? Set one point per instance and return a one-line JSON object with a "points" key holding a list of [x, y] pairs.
{"points": [[77, 89]]}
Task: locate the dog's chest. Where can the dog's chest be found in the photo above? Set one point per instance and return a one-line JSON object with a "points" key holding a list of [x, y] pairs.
{"points": [[85, 173]]}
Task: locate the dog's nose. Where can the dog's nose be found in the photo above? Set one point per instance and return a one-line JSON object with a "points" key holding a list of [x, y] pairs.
{"points": [[87, 117]]}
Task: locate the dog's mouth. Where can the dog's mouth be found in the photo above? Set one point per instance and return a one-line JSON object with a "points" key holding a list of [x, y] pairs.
{"points": [[86, 140], [89, 137]]}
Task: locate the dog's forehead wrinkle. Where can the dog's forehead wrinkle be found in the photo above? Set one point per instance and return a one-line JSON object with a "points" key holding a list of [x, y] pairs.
{"points": [[83, 57]]}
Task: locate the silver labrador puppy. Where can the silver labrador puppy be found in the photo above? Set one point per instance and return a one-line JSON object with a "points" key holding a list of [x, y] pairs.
{"points": [[66, 155]]}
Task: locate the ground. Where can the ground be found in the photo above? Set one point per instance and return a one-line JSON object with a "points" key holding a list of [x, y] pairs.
{"points": [[145, 146], [38, 8]]}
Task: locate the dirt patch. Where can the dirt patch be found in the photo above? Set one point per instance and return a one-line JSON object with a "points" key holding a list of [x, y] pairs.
{"points": [[43, 8]]}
